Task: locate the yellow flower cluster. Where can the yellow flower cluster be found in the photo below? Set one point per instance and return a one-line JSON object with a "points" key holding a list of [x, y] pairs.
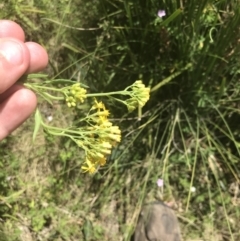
{"points": [[75, 94], [139, 96], [103, 136]]}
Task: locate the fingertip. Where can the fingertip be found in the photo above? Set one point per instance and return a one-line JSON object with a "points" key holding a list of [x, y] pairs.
{"points": [[38, 57], [16, 109], [27, 100], [15, 60], [10, 29]]}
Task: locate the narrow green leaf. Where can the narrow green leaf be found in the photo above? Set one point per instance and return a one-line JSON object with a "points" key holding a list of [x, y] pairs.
{"points": [[38, 120], [172, 17], [170, 78]]}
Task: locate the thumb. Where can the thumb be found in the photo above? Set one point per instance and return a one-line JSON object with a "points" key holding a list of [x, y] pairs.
{"points": [[14, 61]]}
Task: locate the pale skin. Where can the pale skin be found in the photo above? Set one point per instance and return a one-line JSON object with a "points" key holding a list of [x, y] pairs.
{"points": [[17, 58]]}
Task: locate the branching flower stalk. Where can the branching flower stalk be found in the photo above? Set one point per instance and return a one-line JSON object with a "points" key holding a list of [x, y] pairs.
{"points": [[97, 135], [75, 94], [96, 139]]}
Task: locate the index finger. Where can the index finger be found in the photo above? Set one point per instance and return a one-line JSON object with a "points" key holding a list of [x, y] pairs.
{"points": [[10, 29]]}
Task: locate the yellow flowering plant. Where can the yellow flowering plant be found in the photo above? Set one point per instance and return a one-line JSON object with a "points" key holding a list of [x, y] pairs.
{"points": [[96, 135]]}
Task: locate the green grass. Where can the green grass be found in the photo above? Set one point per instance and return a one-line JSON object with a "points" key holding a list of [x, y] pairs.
{"points": [[188, 134]]}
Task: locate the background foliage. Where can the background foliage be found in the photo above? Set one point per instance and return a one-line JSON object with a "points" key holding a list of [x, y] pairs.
{"points": [[188, 134]]}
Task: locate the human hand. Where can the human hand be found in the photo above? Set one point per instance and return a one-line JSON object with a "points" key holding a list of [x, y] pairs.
{"points": [[16, 59]]}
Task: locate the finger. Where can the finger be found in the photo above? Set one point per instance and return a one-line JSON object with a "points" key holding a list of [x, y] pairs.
{"points": [[11, 29], [38, 57], [16, 109], [14, 59]]}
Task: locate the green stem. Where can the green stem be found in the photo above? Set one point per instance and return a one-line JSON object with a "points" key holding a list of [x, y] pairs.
{"points": [[36, 87], [109, 93], [53, 97], [121, 101], [64, 132]]}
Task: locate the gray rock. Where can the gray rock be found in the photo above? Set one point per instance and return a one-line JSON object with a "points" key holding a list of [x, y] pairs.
{"points": [[157, 222]]}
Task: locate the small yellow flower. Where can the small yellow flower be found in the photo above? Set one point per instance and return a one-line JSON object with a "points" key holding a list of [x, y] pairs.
{"points": [[102, 135], [104, 113], [103, 122], [70, 101], [98, 105], [115, 130], [75, 94], [97, 161], [80, 94], [90, 167], [106, 144], [106, 151], [115, 137], [102, 161], [99, 155], [139, 95], [139, 84]]}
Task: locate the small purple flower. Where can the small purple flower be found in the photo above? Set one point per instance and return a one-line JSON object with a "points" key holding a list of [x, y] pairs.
{"points": [[161, 13], [160, 182]]}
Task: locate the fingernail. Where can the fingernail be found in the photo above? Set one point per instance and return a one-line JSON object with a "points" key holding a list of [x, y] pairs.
{"points": [[12, 51]]}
